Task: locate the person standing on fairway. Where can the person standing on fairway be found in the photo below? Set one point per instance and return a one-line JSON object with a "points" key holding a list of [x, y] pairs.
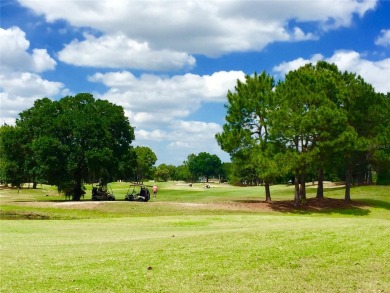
{"points": [[154, 188]]}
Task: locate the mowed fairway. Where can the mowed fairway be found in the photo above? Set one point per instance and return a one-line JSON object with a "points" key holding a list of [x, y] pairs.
{"points": [[194, 240]]}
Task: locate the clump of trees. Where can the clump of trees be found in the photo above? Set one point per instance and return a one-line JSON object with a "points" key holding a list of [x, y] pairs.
{"points": [[317, 120], [145, 160], [318, 123], [78, 140], [204, 165], [197, 167], [66, 143]]}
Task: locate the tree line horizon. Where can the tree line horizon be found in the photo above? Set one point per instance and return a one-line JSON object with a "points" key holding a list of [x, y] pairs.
{"points": [[317, 123]]}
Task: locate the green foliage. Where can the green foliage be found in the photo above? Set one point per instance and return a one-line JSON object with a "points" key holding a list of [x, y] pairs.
{"points": [[146, 159], [309, 119], [226, 171], [246, 135], [383, 177], [162, 173], [74, 140], [204, 164], [165, 172], [12, 156], [182, 172], [318, 120]]}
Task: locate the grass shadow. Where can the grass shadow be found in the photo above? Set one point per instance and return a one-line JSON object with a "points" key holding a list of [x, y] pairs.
{"points": [[248, 201], [322, 206], [375, 203]]}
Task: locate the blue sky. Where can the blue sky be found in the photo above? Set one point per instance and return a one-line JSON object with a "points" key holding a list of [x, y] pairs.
{"points": [[171, 63]]}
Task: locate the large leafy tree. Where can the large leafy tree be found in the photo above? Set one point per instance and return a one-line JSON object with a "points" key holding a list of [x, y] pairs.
{"points": [[245, 135], [205, 164], [75, 140]]}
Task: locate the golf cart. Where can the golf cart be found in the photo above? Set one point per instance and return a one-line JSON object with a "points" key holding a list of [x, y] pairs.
{"points": [[142, 195], [100, 192]]}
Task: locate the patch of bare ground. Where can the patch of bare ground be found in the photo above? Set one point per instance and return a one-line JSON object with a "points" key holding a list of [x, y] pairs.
{"points": [[230, 206], [63, 204], [286, 206], [310, 205], [326, 184]]}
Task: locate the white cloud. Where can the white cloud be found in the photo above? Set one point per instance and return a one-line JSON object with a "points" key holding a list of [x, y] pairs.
{"points": [[180, 139], [118, 51], [20, 85], [14, 54], [193, 136], [154, 135], [211, 27], [285, 67], [155, 100], [157, 106], [383, 39], [18, 92], [29, 84], [374, 72]]}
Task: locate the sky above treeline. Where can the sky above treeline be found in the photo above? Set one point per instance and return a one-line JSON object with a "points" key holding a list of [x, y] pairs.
{"points": [[170, 63]]}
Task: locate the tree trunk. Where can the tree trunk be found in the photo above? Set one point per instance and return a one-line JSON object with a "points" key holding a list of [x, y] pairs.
{"points": [[348, 184], [78, 191], [320, 187], [35, 185], [267, 191], [297, 193], [369, 176]]}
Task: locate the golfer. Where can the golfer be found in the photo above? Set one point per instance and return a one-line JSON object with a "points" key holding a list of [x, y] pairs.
{"points": [[154, 188]]}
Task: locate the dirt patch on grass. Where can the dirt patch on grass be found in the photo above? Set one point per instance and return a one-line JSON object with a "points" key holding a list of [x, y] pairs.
{"points": [[62, 204], [286, 206], [310, 205], [81, 204], [11, 215], [326, 184]]}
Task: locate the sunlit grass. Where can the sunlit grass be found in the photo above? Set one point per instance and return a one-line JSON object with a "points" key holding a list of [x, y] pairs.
{"points": [[190, 240], [226, 253]]}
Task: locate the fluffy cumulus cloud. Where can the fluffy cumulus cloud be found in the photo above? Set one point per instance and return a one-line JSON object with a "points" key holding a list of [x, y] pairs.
{"points": [[210, 27], [181, 139], [19, 90], [155, 100], [384, 38], [158, 106], [374, 72], [20, 83], [285, 67], [118, 51], [15, 56]]}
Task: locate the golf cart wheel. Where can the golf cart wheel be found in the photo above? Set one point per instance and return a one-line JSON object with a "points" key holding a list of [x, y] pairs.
{"points": [[140, 199]]}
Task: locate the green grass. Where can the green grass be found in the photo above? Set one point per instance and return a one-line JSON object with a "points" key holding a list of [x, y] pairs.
{"points": [[178, 244]]}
